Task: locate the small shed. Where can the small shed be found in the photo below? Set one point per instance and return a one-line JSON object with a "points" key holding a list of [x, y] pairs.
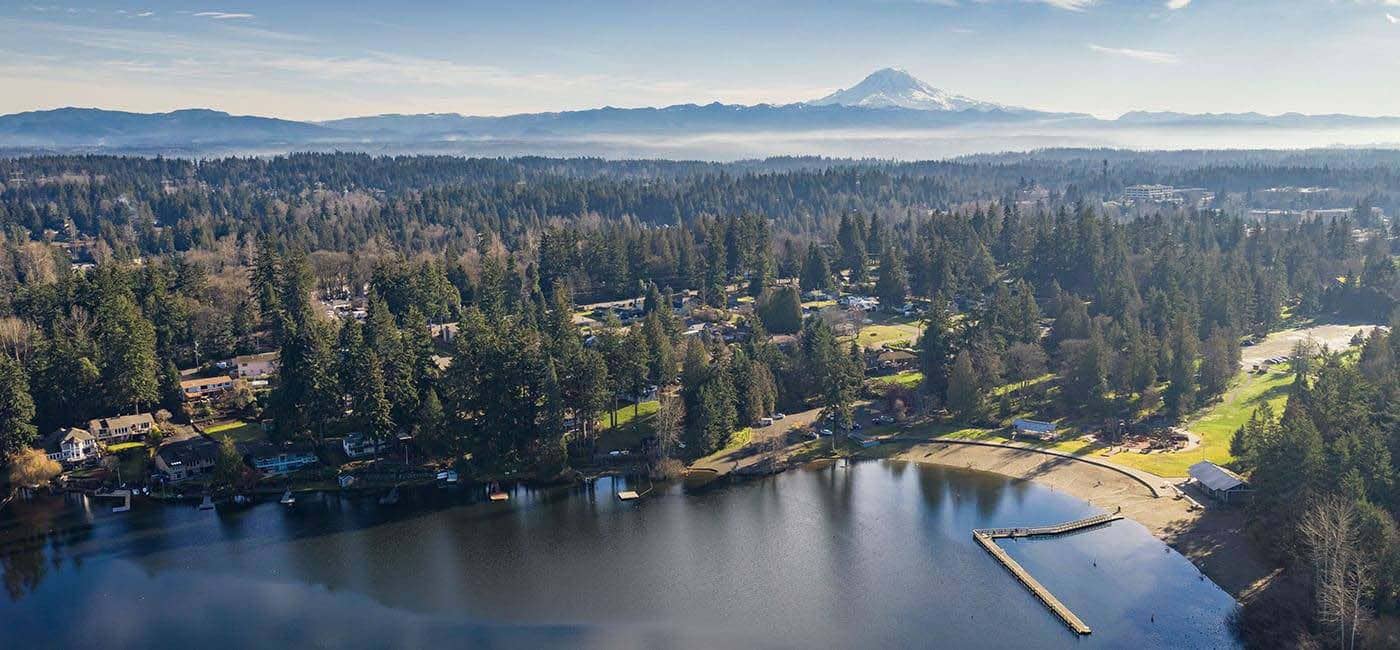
{"points": [[1220, 483], [1035, 428]]}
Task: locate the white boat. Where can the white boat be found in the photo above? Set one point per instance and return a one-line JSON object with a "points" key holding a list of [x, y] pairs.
{"points": [[287, 498]]}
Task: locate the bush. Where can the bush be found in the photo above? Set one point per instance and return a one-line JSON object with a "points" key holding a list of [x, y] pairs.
{"points": [[32, 468]]}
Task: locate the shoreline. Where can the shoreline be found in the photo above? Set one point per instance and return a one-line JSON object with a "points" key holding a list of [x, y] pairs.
{"points": [[1212, 538]]}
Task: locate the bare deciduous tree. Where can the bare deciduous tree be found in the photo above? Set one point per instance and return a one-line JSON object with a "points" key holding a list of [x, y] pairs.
{"points": [[670, 422], [1342, 571]]}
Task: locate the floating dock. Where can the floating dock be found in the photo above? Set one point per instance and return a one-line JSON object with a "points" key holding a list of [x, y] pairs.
{"points": [[987, 539], [628, 495], [500, 496]]}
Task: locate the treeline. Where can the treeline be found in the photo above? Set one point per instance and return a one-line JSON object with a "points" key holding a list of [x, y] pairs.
{"points": [[1325, 497]]}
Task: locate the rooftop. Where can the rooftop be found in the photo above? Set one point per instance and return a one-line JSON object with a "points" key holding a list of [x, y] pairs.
{"points": [[1215, 477]]}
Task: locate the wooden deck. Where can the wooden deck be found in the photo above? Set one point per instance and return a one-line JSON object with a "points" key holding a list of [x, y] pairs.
{"points": [[987, 539]]}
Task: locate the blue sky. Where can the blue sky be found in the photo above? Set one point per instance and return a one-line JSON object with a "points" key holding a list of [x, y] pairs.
{"points": [[323, 59]]}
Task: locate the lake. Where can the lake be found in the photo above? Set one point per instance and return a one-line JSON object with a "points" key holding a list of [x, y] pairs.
{"points": [[877, 554]]}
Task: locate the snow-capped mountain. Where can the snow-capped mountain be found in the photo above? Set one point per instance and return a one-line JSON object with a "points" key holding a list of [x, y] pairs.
{"points": [[895, 88]]}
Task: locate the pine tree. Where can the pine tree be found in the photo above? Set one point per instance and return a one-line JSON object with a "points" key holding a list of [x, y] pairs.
{"points": [[893, 284], [16, 409]]}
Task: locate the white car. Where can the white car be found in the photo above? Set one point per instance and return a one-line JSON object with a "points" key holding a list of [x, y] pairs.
{"points": [[826, 432], [778, 416]]}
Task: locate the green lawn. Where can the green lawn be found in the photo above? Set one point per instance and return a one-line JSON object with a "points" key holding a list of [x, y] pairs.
{"points": [[124, 446], [878, 334], [238, 431], [625, 435], [907, 378]]}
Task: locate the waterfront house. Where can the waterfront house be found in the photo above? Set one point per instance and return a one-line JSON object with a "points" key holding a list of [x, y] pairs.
{"points": [[186, 459], [359, 445], [256, 365], [71, 446], [1217, 482], [1035, 428], [121, 428], [274, 460], [193, 389]]}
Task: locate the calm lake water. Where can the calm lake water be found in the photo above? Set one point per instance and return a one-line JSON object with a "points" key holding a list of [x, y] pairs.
{"points": [[875, 555]]}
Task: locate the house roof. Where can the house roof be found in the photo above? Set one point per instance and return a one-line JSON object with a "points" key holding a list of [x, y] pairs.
{"points": [[261, 356], [895, 356], [204, 381], [1215, 477], [1034, 425], [119, 421], [265, 449], [190, 451], [53, 441]]}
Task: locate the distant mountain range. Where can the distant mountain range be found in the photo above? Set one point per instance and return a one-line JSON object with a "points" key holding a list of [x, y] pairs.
{"points": [[886, 107]]}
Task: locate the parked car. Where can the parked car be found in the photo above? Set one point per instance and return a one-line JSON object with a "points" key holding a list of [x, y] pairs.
{"points": [[779, 416], [884, 419], [855, 426], [826, 432], [765, 422]]}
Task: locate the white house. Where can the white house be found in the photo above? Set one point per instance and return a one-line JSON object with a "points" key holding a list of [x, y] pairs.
{"points": [[121, 428], [192, 389], [71, 446], [359, 445], [256, 365]]}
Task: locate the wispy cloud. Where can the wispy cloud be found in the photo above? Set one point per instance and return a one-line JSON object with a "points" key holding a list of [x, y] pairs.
{"points": [[1069, 5], [146, 14], [1149, 56], [1177, 4], [223, 15], [1393, 19]]}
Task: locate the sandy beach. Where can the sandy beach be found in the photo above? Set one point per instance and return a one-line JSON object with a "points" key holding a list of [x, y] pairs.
{"points": [[1214, 538]]}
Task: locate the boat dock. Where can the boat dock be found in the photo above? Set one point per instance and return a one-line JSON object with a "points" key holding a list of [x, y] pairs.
{"points": [[987, 539]]}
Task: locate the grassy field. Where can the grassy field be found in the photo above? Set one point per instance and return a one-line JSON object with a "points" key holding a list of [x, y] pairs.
{"points": [[121, 447], [625, 435], [238, 431], [878, 334]]}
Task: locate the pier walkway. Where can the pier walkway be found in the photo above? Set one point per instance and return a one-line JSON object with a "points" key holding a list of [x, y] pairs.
{"points": [[986, 537]]}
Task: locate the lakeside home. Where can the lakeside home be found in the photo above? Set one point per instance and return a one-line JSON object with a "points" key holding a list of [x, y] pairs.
{"points": [[256, 365], [121, 428], [359, 445], [193, 389], [71, 446], [186, 459], [275, 460]]}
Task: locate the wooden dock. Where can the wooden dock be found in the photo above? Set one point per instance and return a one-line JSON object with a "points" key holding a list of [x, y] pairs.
{"points": [[987, 539], [628, 495]]}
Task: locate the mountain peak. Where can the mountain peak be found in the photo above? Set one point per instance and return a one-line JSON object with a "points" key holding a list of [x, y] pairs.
{"points": [[896, 88]]}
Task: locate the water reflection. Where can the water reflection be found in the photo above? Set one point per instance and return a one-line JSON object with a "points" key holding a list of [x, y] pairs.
{"points": [[838, 555]]}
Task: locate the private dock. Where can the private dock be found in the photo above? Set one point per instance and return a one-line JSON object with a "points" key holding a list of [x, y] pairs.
{"points": [[628, 495], [987, 537]]}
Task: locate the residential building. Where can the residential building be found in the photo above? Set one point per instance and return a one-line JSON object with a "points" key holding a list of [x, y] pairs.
{"points": [[71, 446], [359, 445], [273, 459], [193, 389], [121, 428], [186, 459], [256, 365]]}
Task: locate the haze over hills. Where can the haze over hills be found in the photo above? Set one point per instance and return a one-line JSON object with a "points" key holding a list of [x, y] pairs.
{"points": [[890, 114]]}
